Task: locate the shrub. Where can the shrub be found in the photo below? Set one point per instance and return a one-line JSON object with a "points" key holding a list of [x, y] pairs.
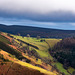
{"points": [[38, 37], [73, 73], [64, 52]]}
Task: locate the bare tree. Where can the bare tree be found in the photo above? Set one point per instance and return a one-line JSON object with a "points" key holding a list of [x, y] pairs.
{"points": [[18, 34], [28, 35], [38, 37]]}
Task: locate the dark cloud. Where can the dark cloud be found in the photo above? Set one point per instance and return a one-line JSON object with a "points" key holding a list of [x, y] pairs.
{"points": [[40, 10], [50, 17]]}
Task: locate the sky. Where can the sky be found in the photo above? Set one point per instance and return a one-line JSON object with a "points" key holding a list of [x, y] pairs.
{"points": [[57, 14]]}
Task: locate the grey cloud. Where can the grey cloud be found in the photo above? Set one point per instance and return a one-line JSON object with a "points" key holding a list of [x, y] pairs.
{"points": [[39, 10]]}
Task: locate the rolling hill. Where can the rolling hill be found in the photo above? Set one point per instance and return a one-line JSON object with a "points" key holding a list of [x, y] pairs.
{"points": [[34, 31], [32, 55], [30, 52], [13, 60]]}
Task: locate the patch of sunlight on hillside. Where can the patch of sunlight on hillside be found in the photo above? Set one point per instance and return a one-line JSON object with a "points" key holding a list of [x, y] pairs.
{"points": [[36, 68], [52, 42], [44, 54], [60, 67], [70, 69], [33, 41], [39, 61]]}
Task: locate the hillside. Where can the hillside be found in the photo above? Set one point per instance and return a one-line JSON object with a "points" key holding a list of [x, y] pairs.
{"points": [[14, 61], [34, 31], [30, 54], [64, 52]]}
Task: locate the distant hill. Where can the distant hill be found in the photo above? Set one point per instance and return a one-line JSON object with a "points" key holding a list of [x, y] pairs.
{"points": [[34, 31]]}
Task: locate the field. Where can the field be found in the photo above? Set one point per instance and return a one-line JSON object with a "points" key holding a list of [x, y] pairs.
{"points": [[52, 42], [60, 67], [43, 46]]}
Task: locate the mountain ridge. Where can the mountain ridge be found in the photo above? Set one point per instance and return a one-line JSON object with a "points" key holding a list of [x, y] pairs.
{"points": [[35, 31]]}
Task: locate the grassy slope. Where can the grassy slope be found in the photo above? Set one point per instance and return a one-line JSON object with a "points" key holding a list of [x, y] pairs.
{"points": [[37, 69], [60, 67], [52, 42], [43, 48], [3, 39], [70, 69], [32, 70], [33, 41]]}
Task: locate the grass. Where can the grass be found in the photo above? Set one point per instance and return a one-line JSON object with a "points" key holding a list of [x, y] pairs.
{"points": [[29, 67], [42, 51], [39, 61], [33, 41], [43, 46], [36, 68], [10, 50], [60, 68], [3, 39], [44, 54], [36, 42], [52, 42], [70, 69]]}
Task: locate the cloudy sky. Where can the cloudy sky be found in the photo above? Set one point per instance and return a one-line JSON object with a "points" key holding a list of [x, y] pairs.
{"points": [[59, 14]]}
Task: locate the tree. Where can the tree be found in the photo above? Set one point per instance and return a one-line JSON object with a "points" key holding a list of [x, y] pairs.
{"points": [[21, 44], [28, 35], [38, 37], [18, 34], [64, 52], [73, 73]]}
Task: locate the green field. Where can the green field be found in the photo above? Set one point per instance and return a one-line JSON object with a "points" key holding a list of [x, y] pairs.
{"points": [[52, 42], [70, 69], [43, 46], [60, 68]]}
